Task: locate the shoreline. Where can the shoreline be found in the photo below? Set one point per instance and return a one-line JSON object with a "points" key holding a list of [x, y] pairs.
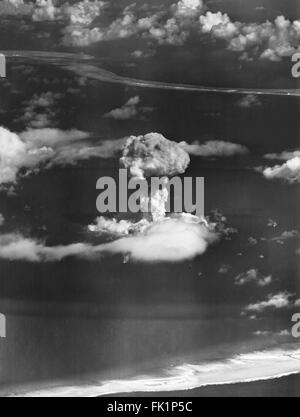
{"points": [[203, 387], [256, 367], [288, 385], [77, 63]]}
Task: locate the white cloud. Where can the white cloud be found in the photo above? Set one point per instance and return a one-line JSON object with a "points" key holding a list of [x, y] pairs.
{"points": [[283, 156], [289, 171], [38, 138], [112, 227], [214, 148], [253, 276], [46, 147], [173, 240], [12, 155], [45, 10], [278, 301], [2, 220], [188, 8], [269, 40], [82, 13], [39, 112], [175, 25], [77, 16], [15, 7], [126, 112]]}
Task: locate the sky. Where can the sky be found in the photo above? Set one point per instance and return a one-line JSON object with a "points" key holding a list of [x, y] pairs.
{"points": [[117, 292]]}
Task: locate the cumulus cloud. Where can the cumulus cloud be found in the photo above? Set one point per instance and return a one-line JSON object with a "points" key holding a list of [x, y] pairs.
{"points": [[45, 10], [269, 40], [77, 17], [126, 112], [172, 240], [253, 276], [12, 155], [214, 148], [39, 112], [278, 301], [48, 147], [289, 171], [112, 227], [155, 155], [82, 13], [188, 8], [15, 8], [175, 25]]}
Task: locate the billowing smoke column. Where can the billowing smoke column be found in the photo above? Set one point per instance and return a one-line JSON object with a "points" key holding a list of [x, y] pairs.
{"points": [[154, 155]]}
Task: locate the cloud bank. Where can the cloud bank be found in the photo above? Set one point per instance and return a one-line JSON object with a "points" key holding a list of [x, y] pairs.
{"points": [[173, 240], [175, 25], [190, 18]]}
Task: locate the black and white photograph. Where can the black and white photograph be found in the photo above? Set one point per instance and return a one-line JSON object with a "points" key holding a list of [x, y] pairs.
{"points": [[149, 200]]}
